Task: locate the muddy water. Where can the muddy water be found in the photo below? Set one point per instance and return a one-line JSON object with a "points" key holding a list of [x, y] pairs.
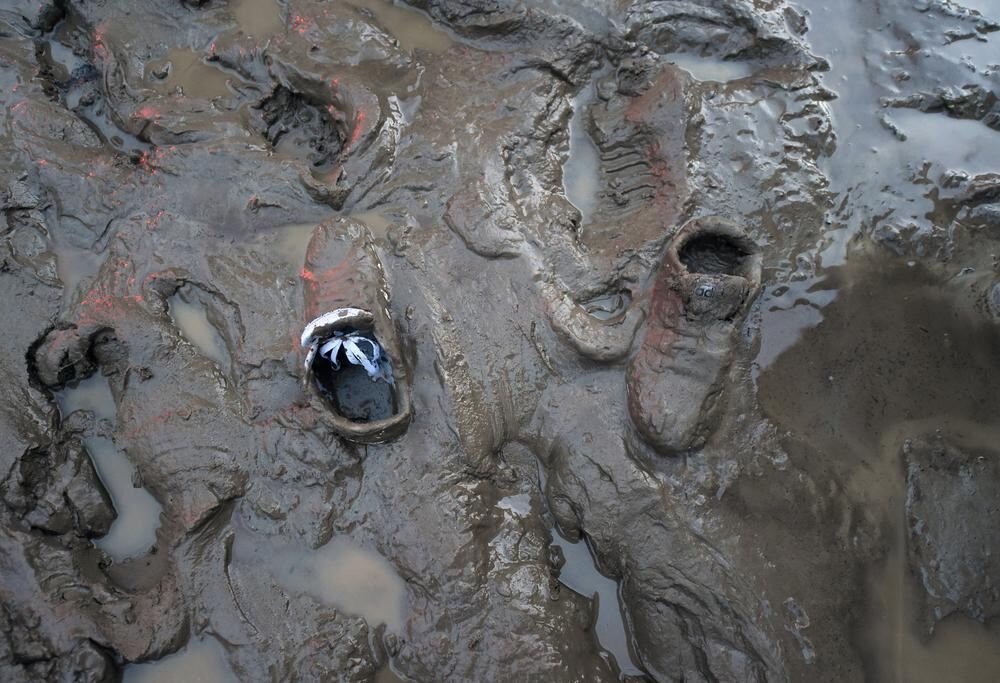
{"points": [[290, 244], [340, 574], [134, 530], [191, 318], [74, 266], [952, 144], [580, 575], [582, 168], [202, 660], [186, 72], [854, 363], [375, 222], [710, 68], [960, 648], [261, 19], [412, 28]]}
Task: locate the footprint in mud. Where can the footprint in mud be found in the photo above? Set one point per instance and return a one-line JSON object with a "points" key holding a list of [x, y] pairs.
{"points": [[207, 322], [626, 167], [296, 125], [630, 153], [137, 512]]}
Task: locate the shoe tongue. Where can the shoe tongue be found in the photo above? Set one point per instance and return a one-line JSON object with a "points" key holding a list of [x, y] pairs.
{"points": [[713, 296]]}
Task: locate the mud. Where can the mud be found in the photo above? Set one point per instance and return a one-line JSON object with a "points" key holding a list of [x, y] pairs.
{"points": [[693, 311]]}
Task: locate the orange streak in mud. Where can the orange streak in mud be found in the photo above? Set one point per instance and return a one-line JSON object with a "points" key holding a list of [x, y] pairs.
{"points": [[356, 133], [300, 23], [100, 49], [154, 220]]}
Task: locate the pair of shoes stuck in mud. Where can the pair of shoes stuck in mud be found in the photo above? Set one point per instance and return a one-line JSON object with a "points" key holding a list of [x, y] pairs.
{"points": [[698, 298]]}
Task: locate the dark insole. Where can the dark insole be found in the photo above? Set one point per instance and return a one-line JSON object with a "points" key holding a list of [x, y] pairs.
{"points": [[352, 393], [713, 255]]}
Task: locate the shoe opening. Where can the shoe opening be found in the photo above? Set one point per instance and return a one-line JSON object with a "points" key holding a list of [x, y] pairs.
{"points": [[350, 388], [715, 253]]}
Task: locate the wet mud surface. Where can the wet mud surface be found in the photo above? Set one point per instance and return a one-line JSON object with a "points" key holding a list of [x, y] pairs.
{"points": [[693, 312]]}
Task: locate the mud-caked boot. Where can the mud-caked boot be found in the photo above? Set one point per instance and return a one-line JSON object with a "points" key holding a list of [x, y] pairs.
{"points": [[676, 381], [352, 355]]}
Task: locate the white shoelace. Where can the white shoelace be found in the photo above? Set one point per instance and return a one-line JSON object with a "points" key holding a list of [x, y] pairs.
{"points": [[351, 343]]}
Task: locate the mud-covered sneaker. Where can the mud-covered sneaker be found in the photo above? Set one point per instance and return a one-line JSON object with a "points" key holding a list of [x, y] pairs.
{"points": [[352, 355], [676, 381]]}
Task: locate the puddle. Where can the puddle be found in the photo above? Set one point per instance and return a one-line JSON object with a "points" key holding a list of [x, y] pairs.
{"points": [[375, 222], [958, 144], [191, 318], [134, 530], [580, 575], [291, 244], [341, 574], [869, 162], [581, 170], [891, 346], [185, 69], [74, 265], [710, 68], [988, 8], [79, 85], [412, 28], [200, 661], [789, 309], [961, 649], [258, 18], [608, 306], [852, 363]]}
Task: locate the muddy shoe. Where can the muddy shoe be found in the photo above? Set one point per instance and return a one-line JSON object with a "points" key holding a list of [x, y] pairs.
{"points": [[675, 382], [352, 355]]}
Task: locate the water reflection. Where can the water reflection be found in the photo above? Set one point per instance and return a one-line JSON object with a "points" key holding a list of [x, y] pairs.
{"points": [[134, 530], [200, 661], [885, 352], [341, 574]]}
